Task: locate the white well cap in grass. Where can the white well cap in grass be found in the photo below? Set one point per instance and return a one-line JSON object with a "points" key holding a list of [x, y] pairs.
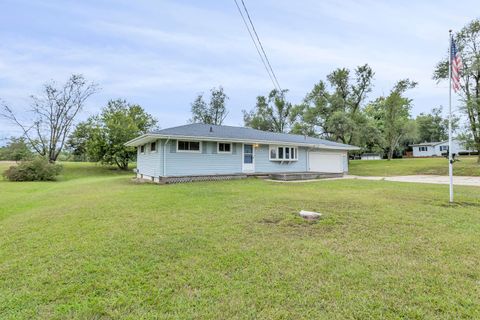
{"points": [[309, 214]]}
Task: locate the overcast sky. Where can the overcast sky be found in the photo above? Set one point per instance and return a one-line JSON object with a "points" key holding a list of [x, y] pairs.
{"points": [[161, 54]]}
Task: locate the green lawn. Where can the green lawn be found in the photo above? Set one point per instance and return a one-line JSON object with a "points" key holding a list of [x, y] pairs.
{"points": [[94, 245], [466, 166]]}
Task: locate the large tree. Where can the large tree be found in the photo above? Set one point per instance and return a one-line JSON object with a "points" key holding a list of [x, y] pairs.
{"points": [[271, 113], [468, 44], [333, 109], [433, 126], [214, 112], [53, 115], [391, 115], [103, 136]]}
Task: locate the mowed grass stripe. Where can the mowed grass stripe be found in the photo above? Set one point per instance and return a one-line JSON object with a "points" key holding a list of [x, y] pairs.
{"points": [[466, 166]]}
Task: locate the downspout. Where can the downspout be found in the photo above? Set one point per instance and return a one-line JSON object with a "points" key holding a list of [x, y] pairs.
{"points": [[165, 157], [308, 159]]}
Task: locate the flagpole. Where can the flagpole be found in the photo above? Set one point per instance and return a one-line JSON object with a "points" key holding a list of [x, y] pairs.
{"points": [[450, 157]]}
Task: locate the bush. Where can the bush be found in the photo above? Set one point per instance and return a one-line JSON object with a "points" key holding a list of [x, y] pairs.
{"points": [[38, 169]]}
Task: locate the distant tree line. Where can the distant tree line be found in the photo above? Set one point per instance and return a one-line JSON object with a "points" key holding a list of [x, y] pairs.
{"points": [[338, 109]]}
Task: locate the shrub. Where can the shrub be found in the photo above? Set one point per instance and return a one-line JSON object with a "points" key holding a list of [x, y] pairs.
{"points": [[38, 169]]}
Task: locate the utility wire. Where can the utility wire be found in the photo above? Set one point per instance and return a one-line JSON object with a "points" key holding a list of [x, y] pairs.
{"points": [[272, 77], [261, 46]]}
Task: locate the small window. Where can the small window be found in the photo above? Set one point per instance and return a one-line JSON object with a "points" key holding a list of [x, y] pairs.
{"points": [[280, 153], [153, 146], [142, 149], [443, 148], [273, 153], [224, 147], [423, 148], [188, 146], [287, 153]]}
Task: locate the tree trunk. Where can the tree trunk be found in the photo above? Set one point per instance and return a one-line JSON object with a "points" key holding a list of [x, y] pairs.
{"points": [[390, 154], [477, 145]]}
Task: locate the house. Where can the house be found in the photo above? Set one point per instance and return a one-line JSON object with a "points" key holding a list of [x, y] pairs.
{"points": [[371, 156], [437, 149], [211, 150]]}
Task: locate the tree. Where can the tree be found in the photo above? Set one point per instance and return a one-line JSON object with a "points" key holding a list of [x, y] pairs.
{"points": [[103, 136], [53, 115], [271, 113], [468, 44], [433, 127], [333, 109], [78, 139], [214, 112], [16, 149], [391, 115]]}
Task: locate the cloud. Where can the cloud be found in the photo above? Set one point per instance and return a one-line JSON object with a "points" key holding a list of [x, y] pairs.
{"points": [[161, 54]]}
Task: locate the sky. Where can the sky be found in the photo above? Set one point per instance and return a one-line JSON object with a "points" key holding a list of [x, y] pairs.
{"points": [[162, 54]]}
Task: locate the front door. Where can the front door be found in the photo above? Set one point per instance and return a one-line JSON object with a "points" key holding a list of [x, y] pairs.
{"points": [[248, 158]]}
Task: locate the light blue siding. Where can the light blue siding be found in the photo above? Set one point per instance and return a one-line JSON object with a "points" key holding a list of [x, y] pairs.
{"points": [[150, 162], [263, 164], [209, 161], [204, 163]]}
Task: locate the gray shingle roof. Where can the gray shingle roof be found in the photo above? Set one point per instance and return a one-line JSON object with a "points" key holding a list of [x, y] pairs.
{"points": [[242, 133]]}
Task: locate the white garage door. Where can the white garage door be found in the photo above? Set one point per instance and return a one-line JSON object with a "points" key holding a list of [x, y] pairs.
{"points": [[326, 162]]}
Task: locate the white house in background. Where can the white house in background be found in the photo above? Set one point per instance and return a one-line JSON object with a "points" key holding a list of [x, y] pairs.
{"points": [[206, 150], [436, 149]]}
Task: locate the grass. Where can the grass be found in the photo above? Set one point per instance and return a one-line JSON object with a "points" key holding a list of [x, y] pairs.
{"points": [[94, 245], [466, 166]]}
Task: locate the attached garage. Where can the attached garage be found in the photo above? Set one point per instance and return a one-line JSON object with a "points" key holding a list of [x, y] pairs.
{"points": [[327, 161]]}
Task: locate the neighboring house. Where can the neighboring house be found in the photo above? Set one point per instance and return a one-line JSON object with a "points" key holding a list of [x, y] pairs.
{"points": [[371, 156], [437, 149], [204, 150]]}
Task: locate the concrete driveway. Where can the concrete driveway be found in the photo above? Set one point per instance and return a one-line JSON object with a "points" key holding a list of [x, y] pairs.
{"points": [[457, 180]]}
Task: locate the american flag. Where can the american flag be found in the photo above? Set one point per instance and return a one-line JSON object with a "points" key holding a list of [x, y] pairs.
{"points": [[456, 65]]}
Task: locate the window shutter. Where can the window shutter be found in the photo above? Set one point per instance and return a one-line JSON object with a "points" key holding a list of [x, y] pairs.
{"points": [[204, 146], [215, 147], [234, 148]]}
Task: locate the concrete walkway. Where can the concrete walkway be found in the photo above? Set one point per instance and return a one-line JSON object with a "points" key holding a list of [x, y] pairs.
{"points": [[457, 180]]}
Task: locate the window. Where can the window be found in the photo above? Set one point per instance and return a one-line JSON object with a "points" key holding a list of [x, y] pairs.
{"points": [[273, 153], [188, 146], [422, 148], [142, 149], [443, 148], [153, 147], [283, 153], [223, 147]]}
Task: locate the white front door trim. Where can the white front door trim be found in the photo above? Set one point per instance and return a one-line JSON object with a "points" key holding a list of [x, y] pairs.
{"points": [[248, 167]]}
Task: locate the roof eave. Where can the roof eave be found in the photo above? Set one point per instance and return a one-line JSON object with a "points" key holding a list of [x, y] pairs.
{"points": [[145, 138]]}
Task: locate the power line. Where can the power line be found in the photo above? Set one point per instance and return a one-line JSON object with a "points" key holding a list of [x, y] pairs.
{"points": [[261, 46], [270, 73]]}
